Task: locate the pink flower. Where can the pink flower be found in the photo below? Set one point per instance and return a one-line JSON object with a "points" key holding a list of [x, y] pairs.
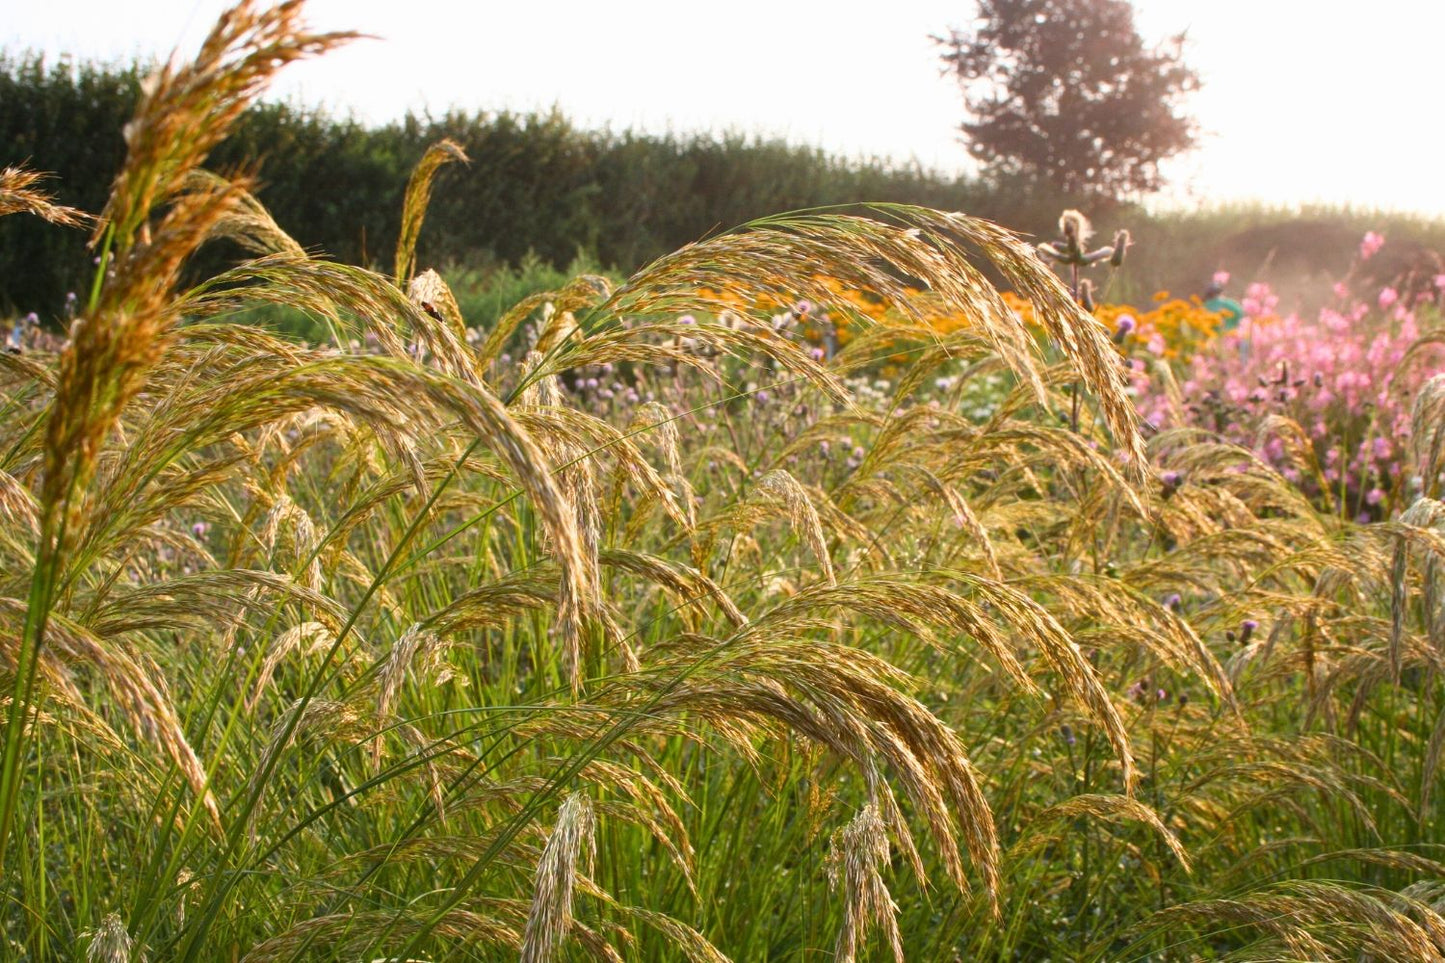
{"points": [[1370, 245], [1221, 278], [1155, 344], [1346, 384]]}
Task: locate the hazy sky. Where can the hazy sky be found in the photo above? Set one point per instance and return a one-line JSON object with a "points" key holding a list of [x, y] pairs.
{"points": [[1304, 100]]}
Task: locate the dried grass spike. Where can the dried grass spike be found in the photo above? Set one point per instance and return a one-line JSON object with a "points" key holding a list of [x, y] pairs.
{"points": [[418, 196], [550, 916], [185, 111], [416, 647], [19, 194], [860, 849], [430, 293], [110, 943], [247, 223], [781, 487], [1427, 423]]}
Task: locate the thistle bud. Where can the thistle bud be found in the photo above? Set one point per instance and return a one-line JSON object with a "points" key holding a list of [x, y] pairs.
{"points": [[1086, 295], [1075, 228], [1121, 245]]}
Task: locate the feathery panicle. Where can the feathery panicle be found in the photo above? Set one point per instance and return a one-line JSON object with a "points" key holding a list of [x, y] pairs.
{"points": [[1108, 808], [430, 293], [308, 637], [778, 487], [418, 196], [186, 110], [1325, 920], [246, 222], [416, 651], [110, 943], [567, 855], [19, 193], [183, 113], [860, 850], [1427, 436], [1423, 523], [682, 939]]}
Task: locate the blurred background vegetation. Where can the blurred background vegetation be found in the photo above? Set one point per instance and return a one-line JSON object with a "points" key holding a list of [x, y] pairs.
{"points": [[541, 194]]}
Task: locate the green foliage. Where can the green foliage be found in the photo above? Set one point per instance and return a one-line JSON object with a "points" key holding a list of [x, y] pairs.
{"points": [[536, 183], [63, 117]]}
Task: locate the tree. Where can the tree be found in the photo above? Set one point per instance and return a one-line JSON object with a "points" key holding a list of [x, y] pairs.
{"points": [[1066, 91]]}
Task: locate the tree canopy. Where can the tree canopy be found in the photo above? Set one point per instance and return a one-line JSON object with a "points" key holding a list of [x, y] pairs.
{"points": [[1066, 91]]}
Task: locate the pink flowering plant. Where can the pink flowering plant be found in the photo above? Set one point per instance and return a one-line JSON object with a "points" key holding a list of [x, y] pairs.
{"points": [[1325, 399]]}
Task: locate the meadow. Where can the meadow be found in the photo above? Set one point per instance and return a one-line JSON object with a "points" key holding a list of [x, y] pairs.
{"points": [[803, 595]]}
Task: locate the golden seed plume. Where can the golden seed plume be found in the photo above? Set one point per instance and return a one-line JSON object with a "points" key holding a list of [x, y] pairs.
{"points": [[418, 196], [860, 849], [19, 193], [568, 853]]}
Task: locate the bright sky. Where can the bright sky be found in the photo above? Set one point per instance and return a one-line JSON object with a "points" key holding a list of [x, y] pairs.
{"points": [[1304, 100]]}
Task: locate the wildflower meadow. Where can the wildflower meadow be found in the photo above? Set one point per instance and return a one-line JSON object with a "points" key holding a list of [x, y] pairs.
{"points": [[848, 585]]}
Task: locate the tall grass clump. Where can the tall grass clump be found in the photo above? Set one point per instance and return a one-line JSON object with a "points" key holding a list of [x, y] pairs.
{"points": [[629, 624]]}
